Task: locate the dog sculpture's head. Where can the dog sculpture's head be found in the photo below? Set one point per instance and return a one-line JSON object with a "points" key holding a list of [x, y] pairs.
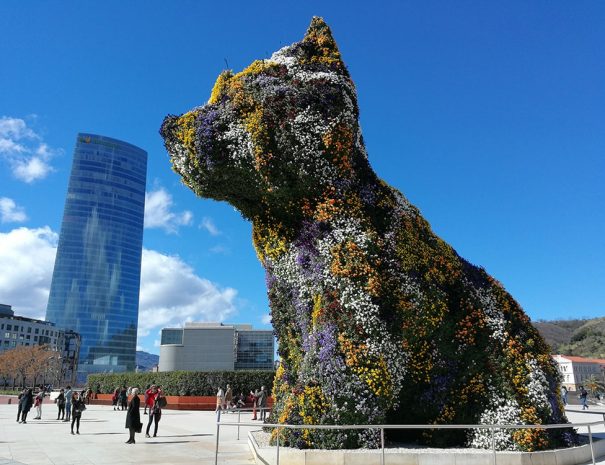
{"points": [[278, 134]]}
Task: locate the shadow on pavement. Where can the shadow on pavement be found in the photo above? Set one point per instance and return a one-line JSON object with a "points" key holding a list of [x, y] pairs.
{"points": [[97, 434], [168, 442]]}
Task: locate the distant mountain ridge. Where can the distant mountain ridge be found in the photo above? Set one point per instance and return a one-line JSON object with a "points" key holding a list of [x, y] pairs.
{"points": [[146, 361], [584, 337]]}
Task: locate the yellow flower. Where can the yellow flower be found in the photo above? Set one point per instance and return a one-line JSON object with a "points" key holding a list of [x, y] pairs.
{"points": [[186, 131]]}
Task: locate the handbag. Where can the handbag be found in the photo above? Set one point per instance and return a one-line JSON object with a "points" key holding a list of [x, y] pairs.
{"points": [[139, 428]]}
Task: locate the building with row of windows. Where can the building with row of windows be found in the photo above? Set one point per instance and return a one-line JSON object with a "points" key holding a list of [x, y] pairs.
{"points": [[575, 371], [216, 346], [97, 274], [18, 331]]}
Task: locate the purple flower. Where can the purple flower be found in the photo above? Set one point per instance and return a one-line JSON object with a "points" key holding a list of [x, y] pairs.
{"points": [[205, 135], [270, 279]]}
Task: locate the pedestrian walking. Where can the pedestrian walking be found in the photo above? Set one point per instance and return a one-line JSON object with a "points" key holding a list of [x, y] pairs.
{"points": [[77, 407], [88, 395], [228, 397], [26, 403], [38, 403], [155, 413], [68, 397], [133, 416], [564, 395], [220, 399], [254, 397], [262, 403], [19, 404], [124, 398], [584, 398], [115, 398], [60, 401]]}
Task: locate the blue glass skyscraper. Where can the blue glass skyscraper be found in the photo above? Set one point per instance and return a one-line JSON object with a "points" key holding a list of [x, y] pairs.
{"points": [[96, 280]]}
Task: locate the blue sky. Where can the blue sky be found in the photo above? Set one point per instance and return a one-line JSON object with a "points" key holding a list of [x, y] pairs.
{"points": [[488, 116]]}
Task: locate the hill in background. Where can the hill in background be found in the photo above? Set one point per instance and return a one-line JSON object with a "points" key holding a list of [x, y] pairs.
{"points": [[584, 338], [146, 361]]}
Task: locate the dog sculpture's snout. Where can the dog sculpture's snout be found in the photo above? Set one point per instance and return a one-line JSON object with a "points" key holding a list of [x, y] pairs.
{"points": [[169, 126]]}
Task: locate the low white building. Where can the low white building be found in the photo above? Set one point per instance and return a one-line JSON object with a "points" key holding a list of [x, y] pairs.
{"points": [[216, 346], [576, 370]]}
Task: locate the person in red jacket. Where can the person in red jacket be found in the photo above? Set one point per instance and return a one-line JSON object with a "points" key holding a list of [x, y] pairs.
{"points": [[150, 395]]}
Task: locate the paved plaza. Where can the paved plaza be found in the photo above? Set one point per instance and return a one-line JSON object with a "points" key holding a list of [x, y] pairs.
{"points": [[184, 437]]}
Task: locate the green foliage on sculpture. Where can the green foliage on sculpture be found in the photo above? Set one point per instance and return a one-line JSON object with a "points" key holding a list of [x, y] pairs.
{"points": [[378, 320]]}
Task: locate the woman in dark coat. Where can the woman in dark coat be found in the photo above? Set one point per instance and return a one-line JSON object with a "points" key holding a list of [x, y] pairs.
{"points": [[26, 402], [77, 407], [60, 400], [20, 405], [133, 416], [123, 398]]}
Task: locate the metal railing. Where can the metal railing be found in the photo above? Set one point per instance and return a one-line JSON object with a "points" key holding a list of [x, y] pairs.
{"points": [[492, 428], [239, 412]]}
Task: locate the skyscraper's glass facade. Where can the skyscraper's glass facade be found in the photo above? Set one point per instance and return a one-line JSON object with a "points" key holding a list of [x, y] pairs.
{"points": [[96, 280]]}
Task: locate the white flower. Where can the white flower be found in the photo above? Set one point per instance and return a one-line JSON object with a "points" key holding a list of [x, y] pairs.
{"points": [[501, 412], [538, 388]]}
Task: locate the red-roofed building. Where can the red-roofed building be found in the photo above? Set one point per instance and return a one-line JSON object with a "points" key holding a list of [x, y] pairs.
{"points": [[576, 370]]}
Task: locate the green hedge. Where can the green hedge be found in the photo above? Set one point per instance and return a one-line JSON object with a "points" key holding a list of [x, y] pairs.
{"points": [[185, 383], [9, 392]]}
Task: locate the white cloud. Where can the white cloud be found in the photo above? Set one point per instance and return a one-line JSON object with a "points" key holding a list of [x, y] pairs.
{"points": [[31, 169], [171, 293], [10, 146], [209, 226], [27, 257], [10, 212], [158, 214], [27, 154], [220, 249], [15, 129], [266, 318]]}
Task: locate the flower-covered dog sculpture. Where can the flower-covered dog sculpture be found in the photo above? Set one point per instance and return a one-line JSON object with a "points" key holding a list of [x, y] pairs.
{"points": [[377, 319]]}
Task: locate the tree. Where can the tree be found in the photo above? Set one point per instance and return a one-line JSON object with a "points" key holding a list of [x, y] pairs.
{"points": [[7, 367], [23, 361], [30, 362], [41, 362], [593, 385]]}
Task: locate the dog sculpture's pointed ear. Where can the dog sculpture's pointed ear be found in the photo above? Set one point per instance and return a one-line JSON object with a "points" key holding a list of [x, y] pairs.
{"points": [[321, 46]]}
